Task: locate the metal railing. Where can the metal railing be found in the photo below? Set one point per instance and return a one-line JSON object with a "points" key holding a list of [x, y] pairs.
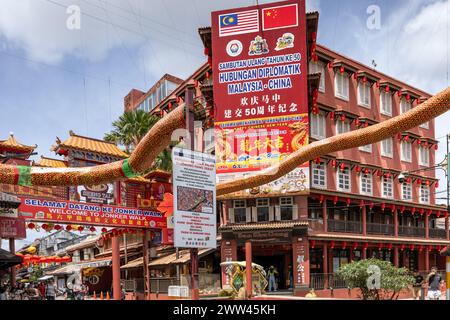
{"points": [[321, 281], [437, 233], [344, 226], [315, 224], [411, 231], [380, 228]]}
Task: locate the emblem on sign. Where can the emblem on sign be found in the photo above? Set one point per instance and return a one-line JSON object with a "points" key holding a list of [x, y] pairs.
{"points": [[234, 48], [258, 46], [285, 41]]}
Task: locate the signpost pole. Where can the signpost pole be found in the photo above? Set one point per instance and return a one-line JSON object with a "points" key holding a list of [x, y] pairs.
{"points": [[116, 267], [12, 249], [145, 265], [189, 101]]}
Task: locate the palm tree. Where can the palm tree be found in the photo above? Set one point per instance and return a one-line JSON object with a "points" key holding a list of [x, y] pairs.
{"points": [[130, 128]]}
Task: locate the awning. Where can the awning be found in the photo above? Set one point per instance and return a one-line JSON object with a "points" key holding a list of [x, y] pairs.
{"points": [[44, 278], [72, 268], [7, 259], [184, 257]]}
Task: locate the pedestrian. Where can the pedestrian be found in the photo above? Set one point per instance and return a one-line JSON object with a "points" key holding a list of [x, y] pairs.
{"points": [[417, 285], [50, 292], [272, 279], [2, 292], [41, 288], [434, 281]]}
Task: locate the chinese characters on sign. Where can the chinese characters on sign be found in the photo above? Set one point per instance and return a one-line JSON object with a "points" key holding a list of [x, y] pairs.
{"points": [[92, 214], [194, 197], [260, 89]]}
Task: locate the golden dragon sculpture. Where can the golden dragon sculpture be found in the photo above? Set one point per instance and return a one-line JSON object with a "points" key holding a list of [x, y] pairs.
{"points": [[159, 138]]}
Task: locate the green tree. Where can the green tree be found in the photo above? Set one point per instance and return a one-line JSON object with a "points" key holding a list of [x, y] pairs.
{"points": [[129, 130], [376, 279]]}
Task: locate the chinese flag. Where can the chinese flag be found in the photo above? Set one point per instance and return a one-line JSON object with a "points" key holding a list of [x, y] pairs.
{"points": [[280, 17]]}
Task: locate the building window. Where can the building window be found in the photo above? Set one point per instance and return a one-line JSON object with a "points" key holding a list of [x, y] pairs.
{"points": [[407, 192], [240, 208], [406, 151], [386, 103], [425, 125], [342, 127], [424, 194], [386, 148], [262, 209], [286, 208], [366, 148], [405, 106], [366, 184], [318, 130], [319, 175], [424, 156], [364, 94], [343, 180], [318, 67], [341, 85], [388, 188]]}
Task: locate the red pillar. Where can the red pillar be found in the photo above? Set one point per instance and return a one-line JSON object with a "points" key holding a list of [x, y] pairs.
{"points": [[325, 265], [325, 216], [194, 273], [396, 225], [396, 257], [116, 267], [364, 220], [12, 249], [427, 260], [248, 268], [427, 228], [447, 234]]}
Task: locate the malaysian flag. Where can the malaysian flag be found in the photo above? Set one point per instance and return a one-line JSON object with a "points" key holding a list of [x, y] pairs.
{"points": [[238, 23]]}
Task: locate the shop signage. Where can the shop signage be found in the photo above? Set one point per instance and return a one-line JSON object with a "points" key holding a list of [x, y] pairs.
{"points": [[90, 214], [12, 228], [260, 90], [9, 213], [194, 197], [102, 194]]}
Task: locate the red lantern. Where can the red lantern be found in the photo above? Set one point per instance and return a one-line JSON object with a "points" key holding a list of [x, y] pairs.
{"points": [[161, 113], [206, 51], [313, 244], [355, 245], [321, 198], [427, 183], [429, 248], [392, 207], [388, 175], [361, 203], [402, 247], [178, 99], [389, 246], [69, 227], [421, 248], [357, 122], [342, 166], [330, 65], [380, 246], [371, 205], [104, 230], [438, 214], [207, 75], [436, 184], [331, 244], [366, 245], [366, 124], [317, 160], [58, 227], [355, 76], [387, 89], [335, 199], [80, 228], [45, 226], [399, 93], [406, 138], [92, 229], [169, 106], [413, 210], [421, 211], [344, 245], [383, 206], [333, 163], [411, 247], [377, 84], [379, 173], [364, 79], [331, 115], [341, 70], [429, 212], [408, 97], [408, 180], [445, 214], [348, 201], [436, 146], [419, 181], [31, 225], [402, 209], [342, 117], [366, 171], [67, 259], [358, 169]]}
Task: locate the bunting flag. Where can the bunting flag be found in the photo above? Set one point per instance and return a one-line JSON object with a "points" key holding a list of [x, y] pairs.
{"points": [[22, 176]]}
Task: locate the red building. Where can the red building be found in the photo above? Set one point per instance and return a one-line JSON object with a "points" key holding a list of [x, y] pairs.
{"points": [[357, 206]]}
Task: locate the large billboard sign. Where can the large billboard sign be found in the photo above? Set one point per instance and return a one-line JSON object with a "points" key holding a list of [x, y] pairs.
{"points": [[12, 228], [90, 214], [194, 197], [260, 87]]}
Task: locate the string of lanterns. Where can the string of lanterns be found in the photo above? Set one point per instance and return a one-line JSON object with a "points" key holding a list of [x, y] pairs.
{"points": [[380, 246], [51, 226], [113, 233], [29, 259]]}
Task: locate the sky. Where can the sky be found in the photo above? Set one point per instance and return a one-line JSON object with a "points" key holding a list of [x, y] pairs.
{"points": [[54, 79]]}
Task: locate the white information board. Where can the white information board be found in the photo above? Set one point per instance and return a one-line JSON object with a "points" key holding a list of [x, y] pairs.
{"points": [[194, 190]]}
